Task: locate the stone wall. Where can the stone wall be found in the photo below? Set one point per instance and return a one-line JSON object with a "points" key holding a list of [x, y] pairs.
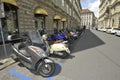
{"points": [[26, 15]]}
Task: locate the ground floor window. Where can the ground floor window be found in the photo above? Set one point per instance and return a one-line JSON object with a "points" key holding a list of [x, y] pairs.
{"points": [[40, 22], [9, 22]]}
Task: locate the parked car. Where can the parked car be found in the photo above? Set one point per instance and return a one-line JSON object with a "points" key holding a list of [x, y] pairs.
{"points": [[111, 30], [114, 30], [117, 33], [108, 30], [99, 29], [103, 29]]}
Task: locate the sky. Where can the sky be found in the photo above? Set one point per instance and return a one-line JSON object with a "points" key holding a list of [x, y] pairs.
{"points": [[92, 5]]}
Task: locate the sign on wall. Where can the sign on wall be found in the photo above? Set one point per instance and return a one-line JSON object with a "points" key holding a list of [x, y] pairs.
{"points": [[2, 13]]}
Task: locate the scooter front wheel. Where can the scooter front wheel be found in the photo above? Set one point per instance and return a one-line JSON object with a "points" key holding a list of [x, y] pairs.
{"points": [[46, 69]]}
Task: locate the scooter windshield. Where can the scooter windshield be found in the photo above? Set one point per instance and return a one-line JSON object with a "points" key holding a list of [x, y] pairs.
{"points": [[35, 38]]}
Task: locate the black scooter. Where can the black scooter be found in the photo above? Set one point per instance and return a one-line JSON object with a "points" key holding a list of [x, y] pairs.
{"points": [[31, 55]]}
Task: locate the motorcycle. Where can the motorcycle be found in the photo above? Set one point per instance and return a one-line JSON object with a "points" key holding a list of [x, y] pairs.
{"points": [[30, 52]]}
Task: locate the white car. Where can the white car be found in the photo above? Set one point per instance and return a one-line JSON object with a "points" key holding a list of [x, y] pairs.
{"points": [[117, 33], [103, 29], [114, 30], [99, 29], [108, 30], [111, 30]]}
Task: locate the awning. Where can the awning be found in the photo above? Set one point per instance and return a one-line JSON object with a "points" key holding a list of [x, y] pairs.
{"points": [[64, 20], [57, 17], [11, 2], [40, 11]]}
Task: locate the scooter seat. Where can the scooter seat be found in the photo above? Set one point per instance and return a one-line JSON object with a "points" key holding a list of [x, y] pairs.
{"points": [[25, 53], [55, 42]]}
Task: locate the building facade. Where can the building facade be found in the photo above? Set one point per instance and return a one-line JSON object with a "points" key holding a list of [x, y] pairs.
{"points": [[23, 15], [88, 18], [96, 23], [109, 14]]}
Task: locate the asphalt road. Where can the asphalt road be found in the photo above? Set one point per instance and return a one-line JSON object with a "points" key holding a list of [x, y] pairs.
{"points": [[95, 56]]}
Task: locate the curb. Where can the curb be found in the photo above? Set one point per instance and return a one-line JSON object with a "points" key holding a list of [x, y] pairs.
{"points": [[6, 62]]}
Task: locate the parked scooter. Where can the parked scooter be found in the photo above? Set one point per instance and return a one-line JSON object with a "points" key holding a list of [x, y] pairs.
{"points": [[32, 55], [61, 37], [74, 35], [58, 47], [79, 31]]}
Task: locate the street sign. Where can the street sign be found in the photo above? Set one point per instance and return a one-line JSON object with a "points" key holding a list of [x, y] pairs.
{"points": [[2, 13]]}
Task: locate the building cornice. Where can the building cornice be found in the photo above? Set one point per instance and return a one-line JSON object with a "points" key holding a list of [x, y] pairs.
{"points": [[74, 9], [115, 3], [115, 13], [111, 6], [101, 3], [104, 2], [102, 15]]}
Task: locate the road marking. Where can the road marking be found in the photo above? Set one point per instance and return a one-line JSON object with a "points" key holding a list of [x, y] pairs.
{"points": [[50, 78], [19, 75], [56, 70]]}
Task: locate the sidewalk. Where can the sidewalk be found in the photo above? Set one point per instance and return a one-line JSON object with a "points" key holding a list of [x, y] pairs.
{"points": [[6, 62]]}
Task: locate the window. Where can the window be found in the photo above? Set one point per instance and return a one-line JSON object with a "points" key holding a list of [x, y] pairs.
{"points": [[70, 11], [10, 22], [63, 2], [67, 8], [55, 1], [73, 13]]}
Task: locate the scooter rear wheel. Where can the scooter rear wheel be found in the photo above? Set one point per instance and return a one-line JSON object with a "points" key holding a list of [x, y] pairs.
{"points": [[46, 69], [62, 54], [65, 54]]}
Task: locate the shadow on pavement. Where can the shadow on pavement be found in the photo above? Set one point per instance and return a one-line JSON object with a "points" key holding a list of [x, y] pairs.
{"points": [[59, 57], [9, 51], [86, 41]]}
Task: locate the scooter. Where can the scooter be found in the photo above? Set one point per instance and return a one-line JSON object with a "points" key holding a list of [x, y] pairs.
{"points": [[32, 56], [59, 38], [79, 32], [74, 35], [59, 48]]}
